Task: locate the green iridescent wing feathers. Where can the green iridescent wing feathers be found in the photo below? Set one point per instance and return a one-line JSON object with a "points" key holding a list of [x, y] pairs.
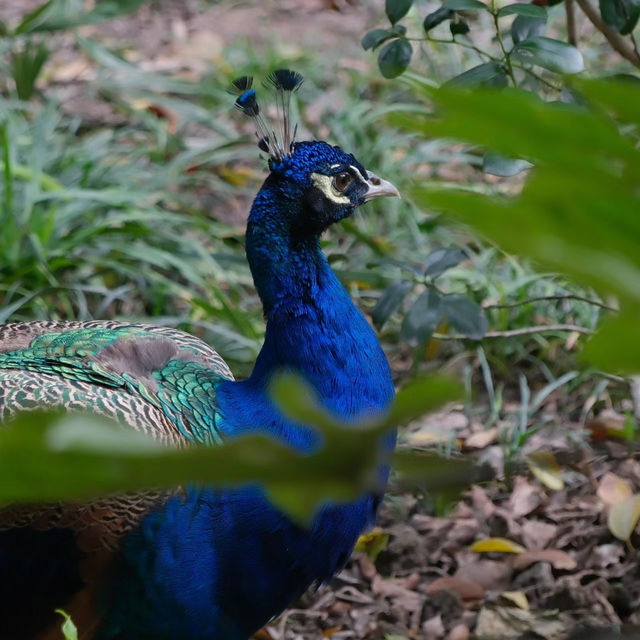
{"points": [[156, 379]]}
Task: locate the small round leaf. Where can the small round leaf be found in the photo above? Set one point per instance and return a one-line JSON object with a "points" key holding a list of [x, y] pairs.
{"points": [[458, 27], [432, 20], [375, 38], [394, 58], [397, 9]]}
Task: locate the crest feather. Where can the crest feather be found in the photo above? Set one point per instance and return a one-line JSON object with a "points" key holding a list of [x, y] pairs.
{"points": [[284, 82]]}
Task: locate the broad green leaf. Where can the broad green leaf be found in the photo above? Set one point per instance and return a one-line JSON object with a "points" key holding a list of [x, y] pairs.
{"points": [[623, 517], [488, 74], [397, 9], [524, 27], [521, 9], [551, 54], [69, 630], [464, 5], [499, 165], [394, 58], [465, 315], [491, 545], [435, 18], [423, 317], [389, 301], [374, 38], [621, 15], [610, 349], [440, 260], [420, 396]]}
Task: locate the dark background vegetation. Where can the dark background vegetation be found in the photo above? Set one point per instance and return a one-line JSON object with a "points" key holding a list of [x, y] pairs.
{"points": [[127, 179]]}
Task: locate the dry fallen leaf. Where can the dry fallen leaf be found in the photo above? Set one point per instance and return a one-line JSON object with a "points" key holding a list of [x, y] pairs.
{"points": [[467, 590], [525, 497], [518, 598], [555, 557], [482, 439], [545, 467], [613, 489], [459, 632], [496, 544], [623, 517]]}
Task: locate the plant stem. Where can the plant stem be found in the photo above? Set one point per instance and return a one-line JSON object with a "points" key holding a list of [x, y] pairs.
{"points": [[571, 22], [511, 333], [537, 76], [505, 53], [511, 305], [466, 45], [614, 38]]}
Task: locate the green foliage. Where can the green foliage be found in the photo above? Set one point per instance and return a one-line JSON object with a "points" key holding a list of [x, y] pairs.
{"points": [[577, 212], [69, 630], [51, 457]]}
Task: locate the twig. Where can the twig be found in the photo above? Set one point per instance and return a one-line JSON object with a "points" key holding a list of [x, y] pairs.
{"points": [[505, 53], [516, 332], [466, 45], [510, 305], [614, 38], [571, 22], [537, 76]]}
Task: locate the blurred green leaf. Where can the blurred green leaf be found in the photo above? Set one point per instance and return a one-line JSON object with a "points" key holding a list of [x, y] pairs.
{"points": [[69, 630], [551, 54], [26, 66], [464, 5], [389, 301], [440, 260], [522, 9], [437, 17], [500, 165], [423, 317], [524, 27], [465, 315], [488, 74], [394, 58], [397, 9], [577, 212], [374, 38], [64, 14], [621, 15]]}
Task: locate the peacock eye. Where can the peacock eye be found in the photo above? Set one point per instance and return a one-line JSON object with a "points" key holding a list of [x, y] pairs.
{"points": [[342, 180]]}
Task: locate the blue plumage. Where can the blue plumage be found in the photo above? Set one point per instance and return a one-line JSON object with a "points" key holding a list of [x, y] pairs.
{"points": [[218, 564]]}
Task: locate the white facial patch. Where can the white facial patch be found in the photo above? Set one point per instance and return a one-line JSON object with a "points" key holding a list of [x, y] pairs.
{"points": [[325, 184]]}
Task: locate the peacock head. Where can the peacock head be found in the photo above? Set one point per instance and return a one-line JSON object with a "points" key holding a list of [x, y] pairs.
{"points": [[322, 183]]}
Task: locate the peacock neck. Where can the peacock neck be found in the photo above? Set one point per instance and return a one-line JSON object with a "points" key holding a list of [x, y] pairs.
{"points": [[313, 328]]}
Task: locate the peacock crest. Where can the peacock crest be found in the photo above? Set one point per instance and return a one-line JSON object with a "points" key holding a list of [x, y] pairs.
{"points": [[284, 82]]}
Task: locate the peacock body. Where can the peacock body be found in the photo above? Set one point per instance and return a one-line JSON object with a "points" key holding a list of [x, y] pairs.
{"points": [[199, 564]]}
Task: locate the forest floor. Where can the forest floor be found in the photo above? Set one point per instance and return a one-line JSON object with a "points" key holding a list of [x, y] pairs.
{"points": [[559, 569]]}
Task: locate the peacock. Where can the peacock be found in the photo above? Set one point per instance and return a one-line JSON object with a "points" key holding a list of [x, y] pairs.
{"points": [[200, 563]]}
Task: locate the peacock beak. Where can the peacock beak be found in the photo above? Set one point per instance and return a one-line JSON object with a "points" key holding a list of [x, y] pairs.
{"points": [[378, 188]]}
